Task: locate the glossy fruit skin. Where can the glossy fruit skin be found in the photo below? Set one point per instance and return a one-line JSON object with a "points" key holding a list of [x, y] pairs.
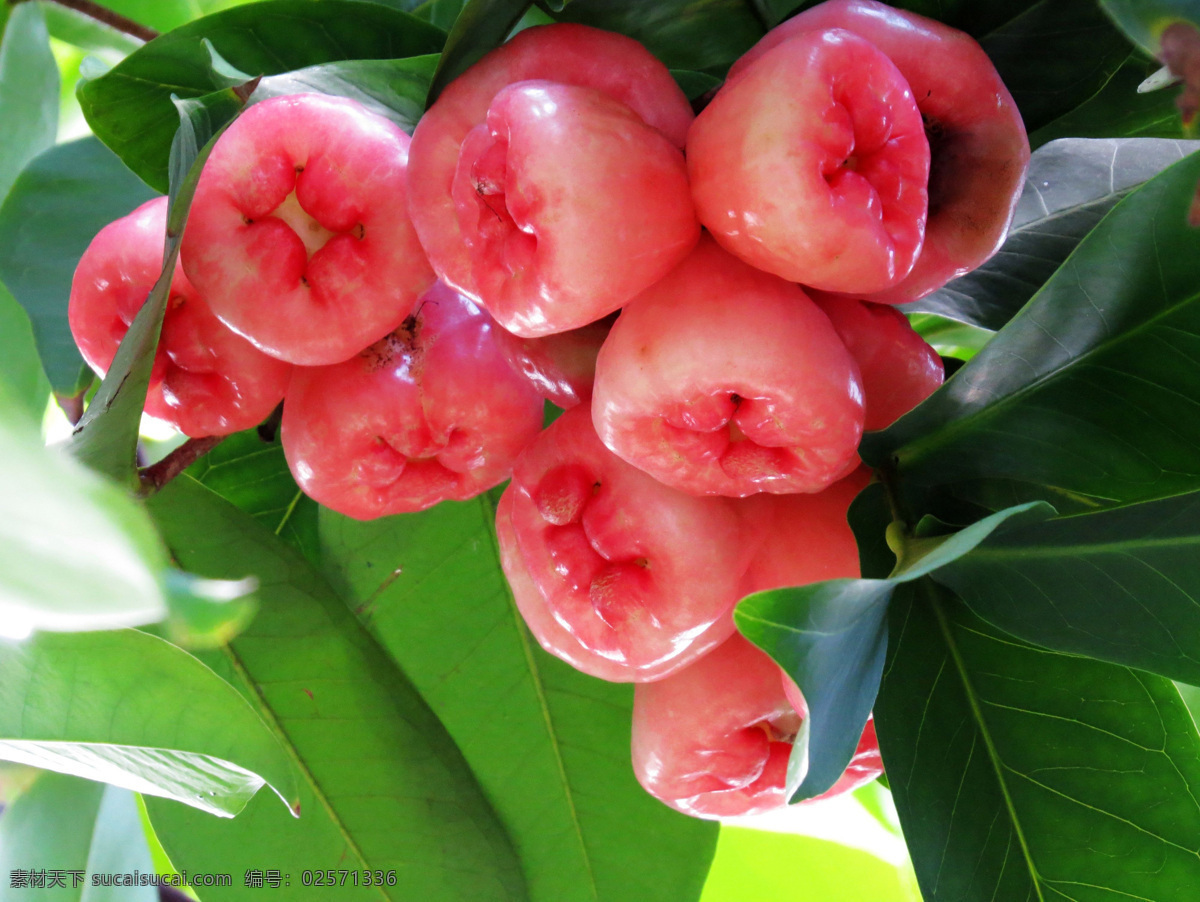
{"points": [[569, 54], [898, 367], [721, 379], [429, 413], [642, 577], [979, 149], [713, 739], [545, 192], [562, 367], [813, 165], [865, 765], [298, 235], [206, 380]]}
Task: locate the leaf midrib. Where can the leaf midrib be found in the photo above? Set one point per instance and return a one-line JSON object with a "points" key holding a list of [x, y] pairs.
{"points": [[1040, 551]]}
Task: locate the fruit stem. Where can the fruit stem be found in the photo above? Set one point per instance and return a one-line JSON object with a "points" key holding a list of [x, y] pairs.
{"points": [[112, 19], [155, 476]]}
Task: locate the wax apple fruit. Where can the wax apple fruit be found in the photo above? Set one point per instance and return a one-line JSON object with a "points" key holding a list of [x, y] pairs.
{"points": [[813, 165], [431, 412], [562, 367], [979, 150], [713, 740], [206, 380], [545, 192], [642, 577], [617, 66], [721, 379], [298, 236], [898, 367]]}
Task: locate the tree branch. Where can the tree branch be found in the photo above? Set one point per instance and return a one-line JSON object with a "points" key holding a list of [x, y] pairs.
{"points": [[113, 20], [155, 476]]}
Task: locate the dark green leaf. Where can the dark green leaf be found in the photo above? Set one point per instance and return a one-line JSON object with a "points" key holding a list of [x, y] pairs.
{"points": [[430, 587], [1024, 774], [482, 25], [58, 204], [1119, 586], [383, 785], [1145, 20], [127, 708], [695, 84], [1088, 397], [63, 823], [20, 365], [28, 92], [130, 107], [1070, 186]]}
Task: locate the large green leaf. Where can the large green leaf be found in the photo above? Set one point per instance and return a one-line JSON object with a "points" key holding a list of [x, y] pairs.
{"points": [[130, 109], [1088, 398], [28, 92], [127, 708], [58, 204], [1020, 773], [20, 365], [831, 638], [1070, 186], [1120, 585], [383, 785], [429, 585], [78, 828]]}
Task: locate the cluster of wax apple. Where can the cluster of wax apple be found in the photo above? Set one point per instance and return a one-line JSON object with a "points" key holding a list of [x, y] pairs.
{"points": [[707, 297]]}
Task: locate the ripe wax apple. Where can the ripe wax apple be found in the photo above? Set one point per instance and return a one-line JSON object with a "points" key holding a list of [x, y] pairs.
{"points": [[713, 740], [206, 380], [899, 369], [813, 165], [643, 578], [298, 235], [562, 367], [721, 379], [429, 413], [569, 205], [569, 54], [865, 765], [979, 149]]}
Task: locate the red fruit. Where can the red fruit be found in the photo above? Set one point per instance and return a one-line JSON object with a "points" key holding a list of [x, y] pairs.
{"points": [[298, 235], [721, 379], [713, 740], [640, 576], [866, 764], [546, 192], [615, 65], [562, 367], [899, 369], [429, 413], [812, 165], [977, 139], [206, 380]]}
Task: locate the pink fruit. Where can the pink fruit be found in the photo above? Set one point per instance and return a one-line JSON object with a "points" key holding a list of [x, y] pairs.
{"points": [[721, 379], [206, 380], [812, 164], [612, 64], [977, 140], [298, 236], [562, 367], [713, 740], [640, 576], [569, 205], [899, 369], [866, 764], [431, 412]]}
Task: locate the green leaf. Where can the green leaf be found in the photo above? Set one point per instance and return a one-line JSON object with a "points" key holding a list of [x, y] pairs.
{"points": [[165, 15], [1020, 773], [130, 109], [949, 337], [383, 785], [58, 204], [28, 92], [695, 84], [1086, 398], [482, 26], [429, 586], [20, 365], [831, 636], [81, 30], [1070, 186], [127, 708], [1120, 586], [1144, 21], [684, 34], [63, 823]]}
